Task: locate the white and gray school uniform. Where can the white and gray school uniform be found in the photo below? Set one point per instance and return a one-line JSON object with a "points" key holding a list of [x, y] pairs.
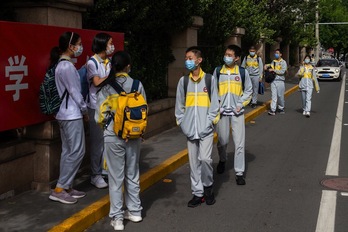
{"points": [[306, 85], [278, 86], [197, 114], [96, 138], [122, 159], [231, 96], [254, 66], [70, 120]]}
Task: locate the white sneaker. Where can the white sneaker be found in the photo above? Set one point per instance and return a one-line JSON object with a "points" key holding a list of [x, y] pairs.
{"points": [[304, 113], [117, 224], [131, 217], [98, 181], [308, 114]]}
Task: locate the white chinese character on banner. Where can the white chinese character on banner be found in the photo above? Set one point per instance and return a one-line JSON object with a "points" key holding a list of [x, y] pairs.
{"points": [[16, 71]]}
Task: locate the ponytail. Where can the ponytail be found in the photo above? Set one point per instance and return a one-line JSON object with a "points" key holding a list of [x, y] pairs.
{"points": [[54, 56]]}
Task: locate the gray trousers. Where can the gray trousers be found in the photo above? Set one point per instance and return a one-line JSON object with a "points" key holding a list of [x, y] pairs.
{"points": [[123, 171], [201, 164], [255, 83], [307, 99], [96, 142], [278, 90], [238, 135], [73, 149]]}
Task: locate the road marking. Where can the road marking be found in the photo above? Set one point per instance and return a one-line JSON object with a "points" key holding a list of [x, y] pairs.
{"points": [[344, 194], [327, 210]]}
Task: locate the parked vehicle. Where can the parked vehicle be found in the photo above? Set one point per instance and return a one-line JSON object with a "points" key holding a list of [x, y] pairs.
{"points": [[329, 69]]}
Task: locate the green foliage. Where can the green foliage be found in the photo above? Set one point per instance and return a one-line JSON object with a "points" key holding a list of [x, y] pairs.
{"points": [[148, 26]]}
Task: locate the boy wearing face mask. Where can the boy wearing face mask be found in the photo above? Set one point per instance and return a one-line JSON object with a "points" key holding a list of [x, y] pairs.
{"points": [[279, 67], [254, 65], [97, 70], [234, 95], [196, 112], [307, 83]]}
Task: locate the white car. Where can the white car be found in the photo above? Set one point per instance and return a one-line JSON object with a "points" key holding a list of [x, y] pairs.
{"points": [[328, 69]]}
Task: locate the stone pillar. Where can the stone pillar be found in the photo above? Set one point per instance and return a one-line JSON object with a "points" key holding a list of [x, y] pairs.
{"points": [[261, 48], [65, 13], [297, 55], [236, 37], [303, 53], [180, 42], [286, 53]]}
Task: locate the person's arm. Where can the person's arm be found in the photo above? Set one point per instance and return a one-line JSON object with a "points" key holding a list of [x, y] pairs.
{"points": [[244, 62], [260, 67], [214, 108], [247, 92], [180, 101], [283, 69]]}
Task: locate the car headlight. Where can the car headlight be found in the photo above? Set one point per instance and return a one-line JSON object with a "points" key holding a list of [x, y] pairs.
{"points": [[316, 70], [337, 70]]}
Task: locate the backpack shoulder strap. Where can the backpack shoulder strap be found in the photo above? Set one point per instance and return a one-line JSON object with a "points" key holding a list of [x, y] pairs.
{"points": [[242, 75], [116, 86], [218, 69], [94, 61], [208, 78], [135, 86]]}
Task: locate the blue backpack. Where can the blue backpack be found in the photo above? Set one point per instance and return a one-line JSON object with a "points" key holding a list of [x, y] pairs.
{"points": [[83, 80], [48, 94]]}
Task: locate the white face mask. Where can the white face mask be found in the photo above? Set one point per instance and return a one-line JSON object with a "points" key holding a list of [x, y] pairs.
{"points": [[110, 49], [307, 61], [79, 50]]}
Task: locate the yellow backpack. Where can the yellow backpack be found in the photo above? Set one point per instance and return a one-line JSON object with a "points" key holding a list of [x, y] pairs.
{"points": [[130, 118]]}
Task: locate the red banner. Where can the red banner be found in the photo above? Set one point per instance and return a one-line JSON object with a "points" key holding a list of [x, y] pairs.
{"points": [[24, 58]]}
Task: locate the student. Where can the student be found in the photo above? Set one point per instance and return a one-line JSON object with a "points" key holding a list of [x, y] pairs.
{"points": [[278, 66], [308, 81], [70, 117], [97, 70], [234, 95], [122, 156], [254, 65], [196, 112]]}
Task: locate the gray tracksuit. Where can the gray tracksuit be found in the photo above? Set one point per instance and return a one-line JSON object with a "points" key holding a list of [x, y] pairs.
{"points": [[196, 114], [122, 159], [70, 122], [278, 86], [96, 139], [254, 66], [232, 95]]}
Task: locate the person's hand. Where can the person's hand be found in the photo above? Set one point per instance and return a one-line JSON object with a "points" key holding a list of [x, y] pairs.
{"points": [[318, 91], [238, 109]]}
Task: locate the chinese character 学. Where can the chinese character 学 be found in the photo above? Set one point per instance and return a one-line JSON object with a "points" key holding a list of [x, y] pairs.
{"points": [[16, 71]]}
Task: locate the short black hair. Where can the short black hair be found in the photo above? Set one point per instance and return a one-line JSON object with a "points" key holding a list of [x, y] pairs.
{"points": [[196, 50], [237, 50], [100, 42], [120, 60], [278, 50]]}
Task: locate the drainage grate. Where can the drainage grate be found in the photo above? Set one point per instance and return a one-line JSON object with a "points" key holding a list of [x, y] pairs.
{"points": [[339, 184]]}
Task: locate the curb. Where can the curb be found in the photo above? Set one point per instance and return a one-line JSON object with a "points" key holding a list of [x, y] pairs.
{"points": [[80, 221]]}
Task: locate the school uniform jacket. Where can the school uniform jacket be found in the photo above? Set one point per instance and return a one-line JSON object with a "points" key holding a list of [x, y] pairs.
{"points": [[231, 93], [67, 78], [195, 113], [254, 65], [126, 83], [279, 67]]}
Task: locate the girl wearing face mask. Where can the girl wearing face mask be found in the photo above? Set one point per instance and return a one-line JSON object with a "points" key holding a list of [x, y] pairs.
{"points": [[308, 81], [98, 68], [70, 117]]}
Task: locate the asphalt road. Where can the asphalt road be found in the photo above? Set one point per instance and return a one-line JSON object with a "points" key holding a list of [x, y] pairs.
{"points": [[287, 157]]}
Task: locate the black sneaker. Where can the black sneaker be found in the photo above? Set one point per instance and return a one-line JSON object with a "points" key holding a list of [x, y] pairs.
{"points": [[281, 111], [220, 167], [209, 195], [240, 180], [272, 113], [252, 105], [195, 201]]}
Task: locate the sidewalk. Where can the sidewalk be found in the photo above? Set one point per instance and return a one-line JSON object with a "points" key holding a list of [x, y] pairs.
{"points": [[160, 155]]}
